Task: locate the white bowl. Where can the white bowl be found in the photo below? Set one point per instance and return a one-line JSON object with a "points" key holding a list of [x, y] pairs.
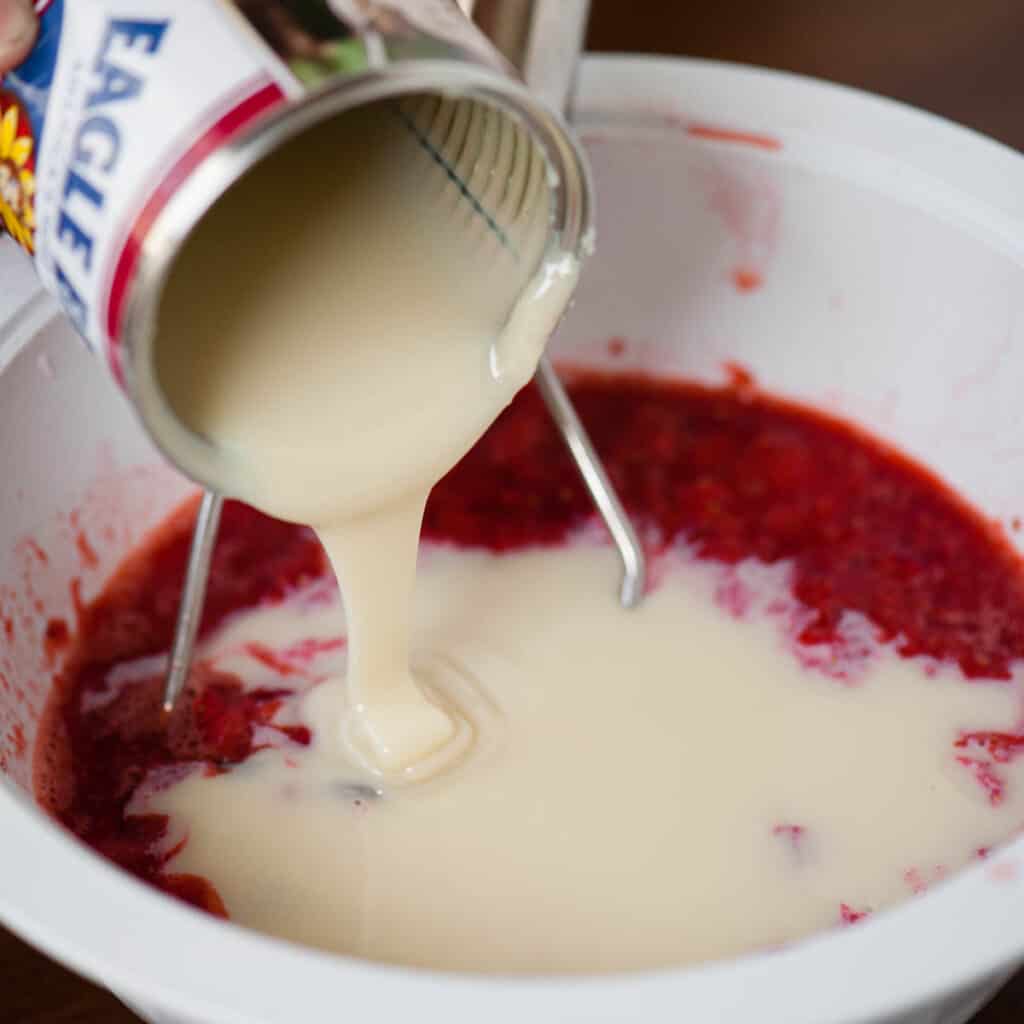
{"points": [[891, 246]]}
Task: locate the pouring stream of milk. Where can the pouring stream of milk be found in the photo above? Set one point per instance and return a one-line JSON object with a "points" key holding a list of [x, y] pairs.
{"points": [[366, 328]]}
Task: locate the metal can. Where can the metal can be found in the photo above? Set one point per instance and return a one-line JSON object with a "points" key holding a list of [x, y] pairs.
{"points": [[130, 118]]}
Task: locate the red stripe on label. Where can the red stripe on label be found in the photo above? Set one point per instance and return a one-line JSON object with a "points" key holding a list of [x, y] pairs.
{"points": [[224, 129]]}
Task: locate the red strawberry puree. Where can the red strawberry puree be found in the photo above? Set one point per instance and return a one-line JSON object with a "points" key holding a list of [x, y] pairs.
{"points": [[734, 473]]}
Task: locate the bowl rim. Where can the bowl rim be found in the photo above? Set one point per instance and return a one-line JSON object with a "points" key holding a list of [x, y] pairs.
{"points": [[115, 930]]}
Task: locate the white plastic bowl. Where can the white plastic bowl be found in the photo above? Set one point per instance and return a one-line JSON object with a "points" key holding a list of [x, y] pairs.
{"points": [[891, 247]]}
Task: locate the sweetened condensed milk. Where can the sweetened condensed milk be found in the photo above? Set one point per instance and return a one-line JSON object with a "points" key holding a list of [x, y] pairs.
{"points": [[360, 341]]}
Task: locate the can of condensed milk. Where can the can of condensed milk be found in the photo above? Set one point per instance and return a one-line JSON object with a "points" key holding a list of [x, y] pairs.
{"points": [[129, 119]]}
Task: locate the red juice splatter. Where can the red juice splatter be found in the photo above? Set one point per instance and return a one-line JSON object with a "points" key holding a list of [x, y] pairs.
{"points": [[794, 836], [746, 279], [269, 657], [56, 639], [86, 551], [16, 737], [987, 777], [307, 649], [850, 916], [983, 751], [37, 551], [194, 890], [792, 832], [299, 734], [742, 382], [919, 881], [1000, 746], [733, 596], [1005, 871], [715, 133]]}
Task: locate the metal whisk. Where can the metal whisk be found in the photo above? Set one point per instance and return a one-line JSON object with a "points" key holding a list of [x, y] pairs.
{"points": [[494, 172]]}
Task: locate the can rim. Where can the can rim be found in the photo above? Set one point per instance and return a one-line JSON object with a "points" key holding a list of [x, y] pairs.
{"points": [[572, 215]]}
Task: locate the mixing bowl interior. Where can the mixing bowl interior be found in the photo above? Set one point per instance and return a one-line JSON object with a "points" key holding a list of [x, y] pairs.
{"points": [[835, 275], [844, 251]]}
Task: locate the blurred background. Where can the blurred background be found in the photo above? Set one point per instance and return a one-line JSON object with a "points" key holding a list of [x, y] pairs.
{"points": [[963, 59]]}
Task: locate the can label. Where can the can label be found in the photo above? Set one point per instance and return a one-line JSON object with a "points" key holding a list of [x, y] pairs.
{"points": [[120, 100]]}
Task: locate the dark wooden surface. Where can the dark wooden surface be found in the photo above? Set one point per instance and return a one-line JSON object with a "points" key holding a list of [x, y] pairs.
{"points": [[961, 59]]}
